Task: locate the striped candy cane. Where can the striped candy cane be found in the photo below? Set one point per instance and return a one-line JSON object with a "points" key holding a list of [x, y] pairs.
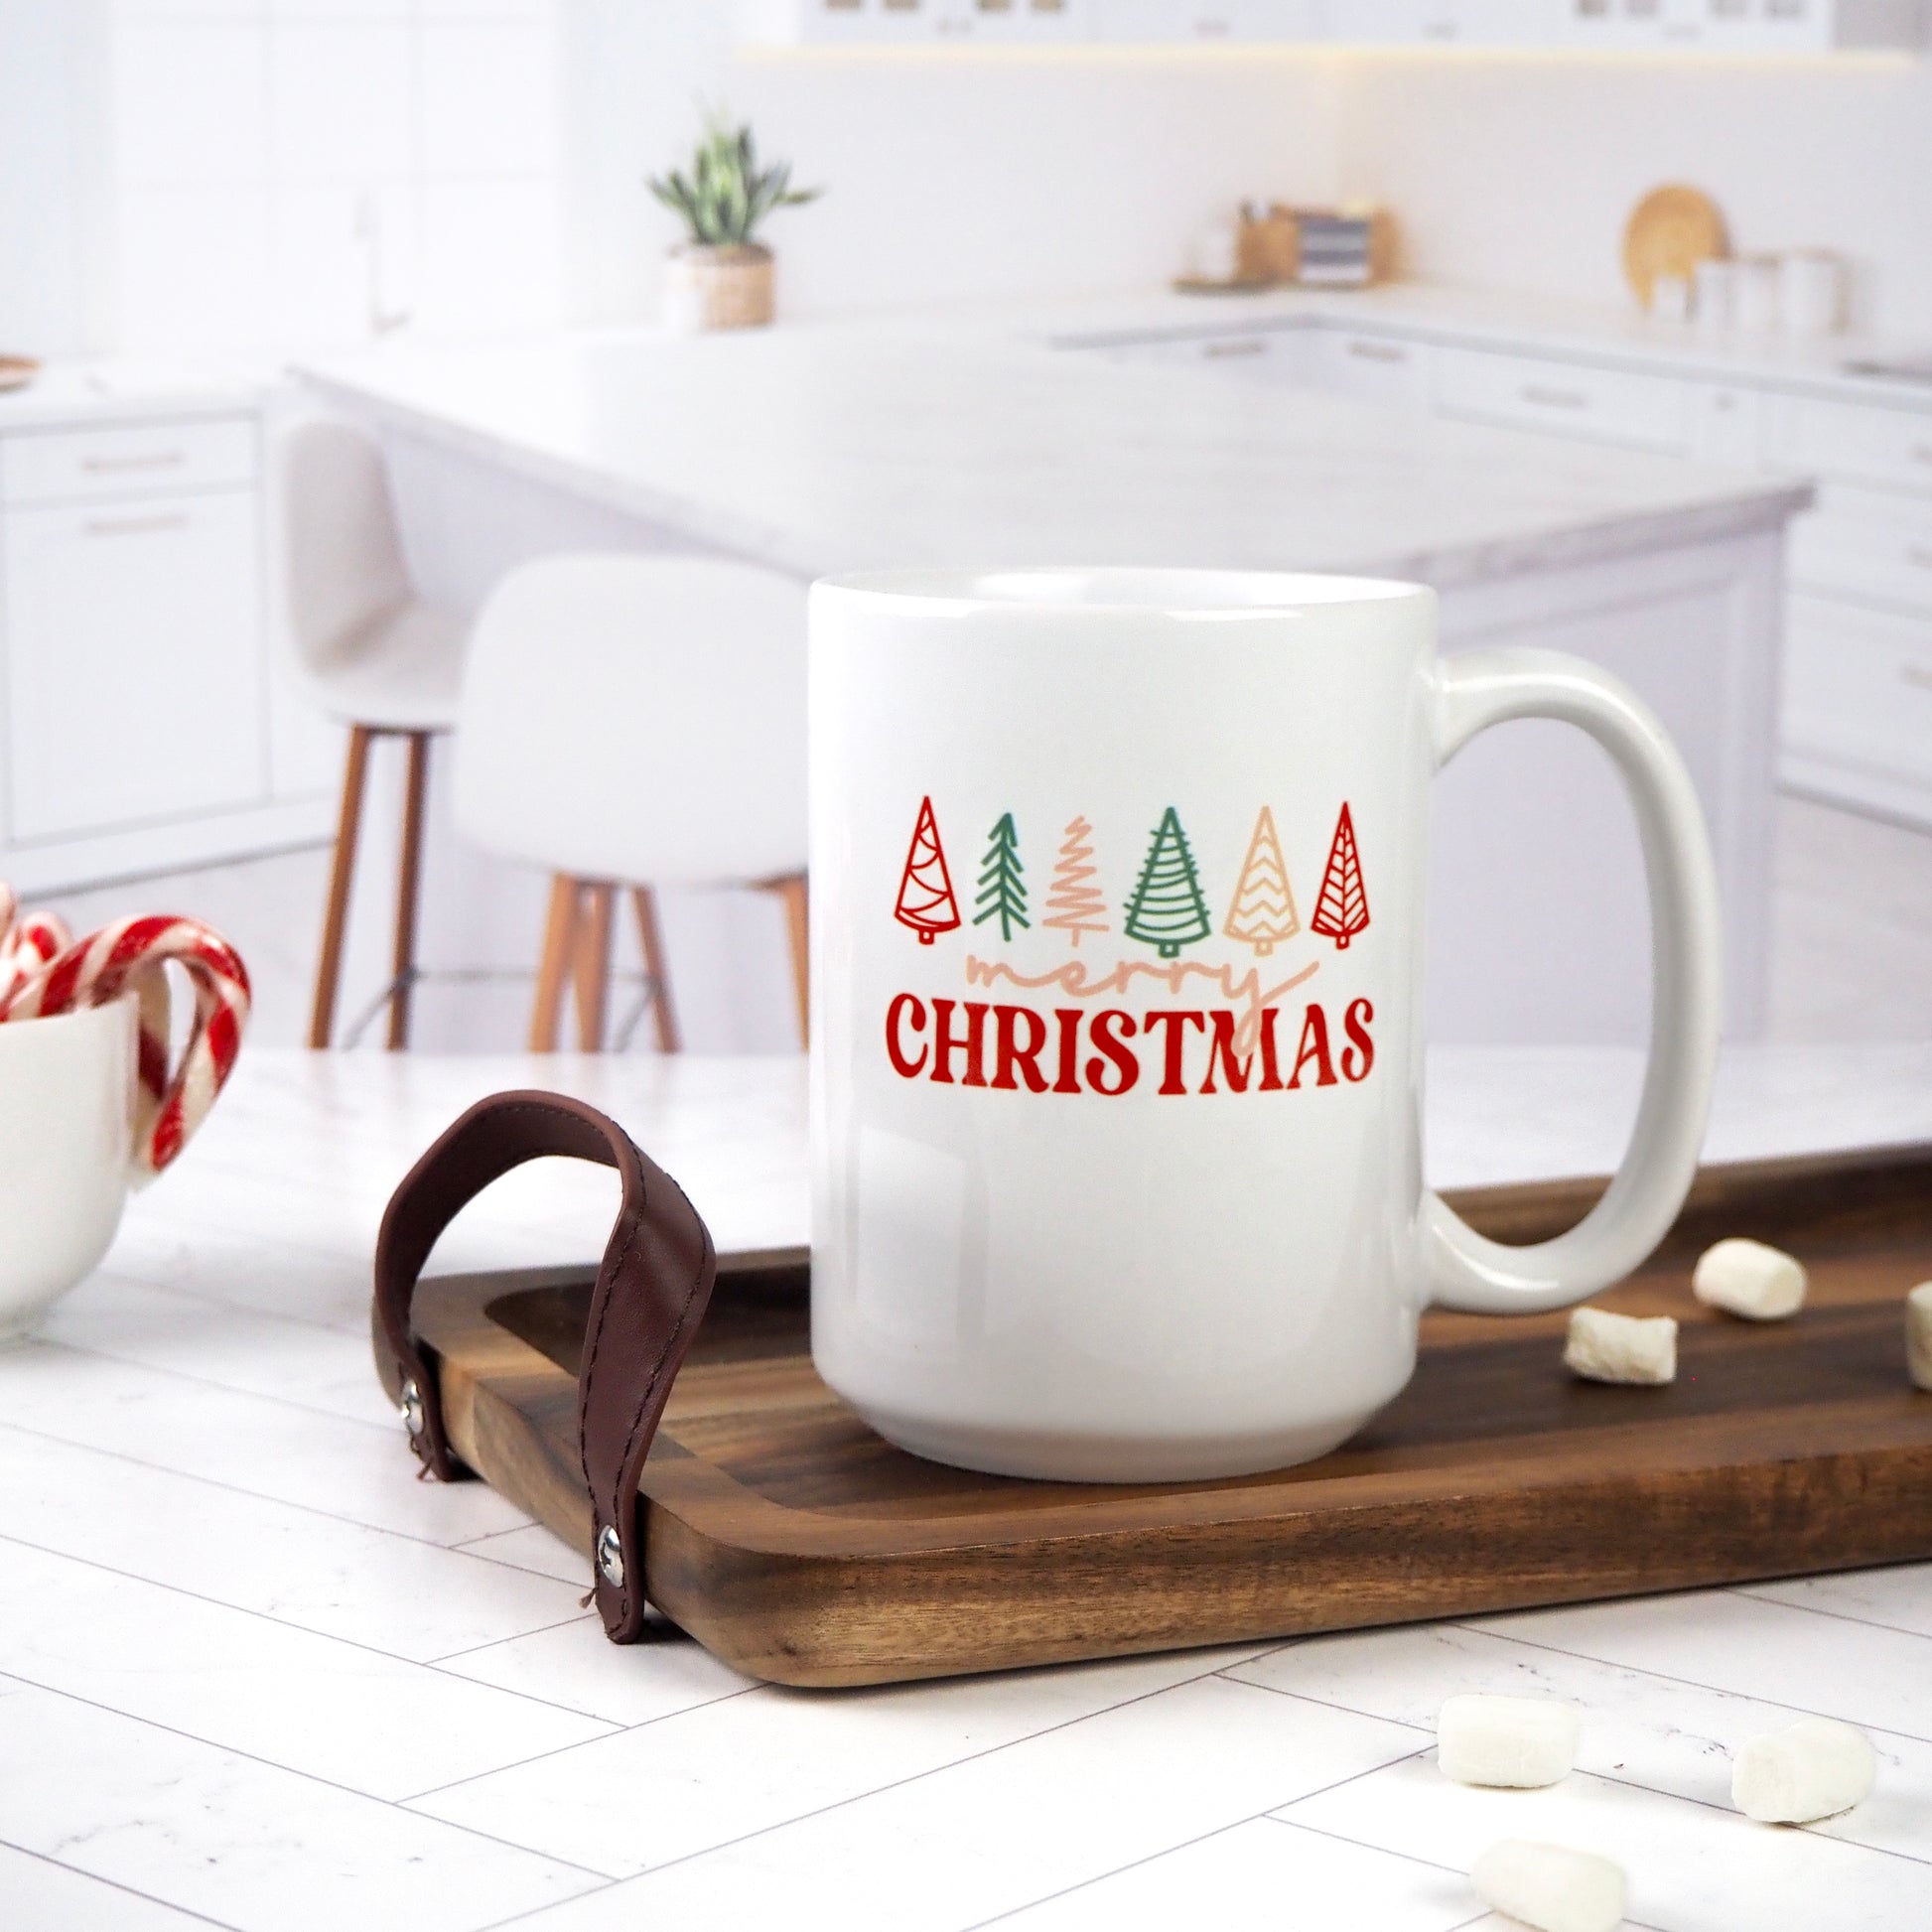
{"points": [[26, 950], [132, 955]]}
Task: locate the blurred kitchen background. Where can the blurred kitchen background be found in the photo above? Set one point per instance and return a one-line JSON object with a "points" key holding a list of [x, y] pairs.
{"points": [[223, 221]]}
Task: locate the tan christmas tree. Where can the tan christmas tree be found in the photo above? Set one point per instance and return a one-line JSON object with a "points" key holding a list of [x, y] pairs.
{"points": [[1075, 904], [1263, 913]]}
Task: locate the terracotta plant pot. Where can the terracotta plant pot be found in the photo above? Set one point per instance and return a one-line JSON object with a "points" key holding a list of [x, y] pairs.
{"points": [[724, 287]]}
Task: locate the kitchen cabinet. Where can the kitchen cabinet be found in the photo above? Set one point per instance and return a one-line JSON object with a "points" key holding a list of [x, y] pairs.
{"points": [[1259, 355], [1391, 370], [134, 665], [1736, 27], [1645, 412], [1697, 26], [1858, 700], [137, 697], [1726, 424], [1153, 22], [1439, 23], [911, 22]]}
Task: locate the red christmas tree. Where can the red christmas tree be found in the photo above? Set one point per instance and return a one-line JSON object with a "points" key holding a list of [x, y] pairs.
{"points": [[925, 900], [1342, 908]]}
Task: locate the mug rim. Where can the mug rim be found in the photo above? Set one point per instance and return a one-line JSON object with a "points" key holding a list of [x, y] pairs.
{"points": [[1123, 590], [24, 1027]]}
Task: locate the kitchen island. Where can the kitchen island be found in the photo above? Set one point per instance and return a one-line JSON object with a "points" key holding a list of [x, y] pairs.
{"points": [[253, 1673], [835, 448]]}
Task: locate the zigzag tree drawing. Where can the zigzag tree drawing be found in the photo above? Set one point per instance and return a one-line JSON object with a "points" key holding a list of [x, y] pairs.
{"points": [[1262, 914], [1076, 905]]}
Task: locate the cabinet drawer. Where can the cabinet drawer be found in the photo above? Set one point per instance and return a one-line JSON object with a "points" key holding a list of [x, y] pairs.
{"points": [[1374, 368], [1858, 687], [1855, 440], [1264, 355], [1726, 425], [1649, 412], [1868, 543], [72, 466], [133, 662]]}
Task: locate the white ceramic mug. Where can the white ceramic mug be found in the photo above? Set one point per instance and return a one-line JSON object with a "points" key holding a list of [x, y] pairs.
{"points": [[1117, 935], [66, 1152]]}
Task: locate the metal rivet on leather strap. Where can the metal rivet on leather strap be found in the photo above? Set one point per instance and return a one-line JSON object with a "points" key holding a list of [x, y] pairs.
{"points": [[609, 1557], [412, 1410]]}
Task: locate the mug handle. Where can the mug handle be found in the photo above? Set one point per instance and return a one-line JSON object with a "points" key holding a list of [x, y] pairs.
{"points": [[1466, 1269]]}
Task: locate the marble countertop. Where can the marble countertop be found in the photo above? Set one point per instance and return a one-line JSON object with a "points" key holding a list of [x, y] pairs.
{"points": [[254, 1675], [81, 394], [955, 442]]}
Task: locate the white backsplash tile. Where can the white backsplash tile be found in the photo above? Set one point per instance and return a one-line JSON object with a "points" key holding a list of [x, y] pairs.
{"points": [[318, 70]]}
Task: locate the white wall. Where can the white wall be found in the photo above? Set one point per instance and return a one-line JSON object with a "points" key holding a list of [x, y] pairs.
{"points": [[50, 157], [287, 174], [1009, 171], [1519, 174]]}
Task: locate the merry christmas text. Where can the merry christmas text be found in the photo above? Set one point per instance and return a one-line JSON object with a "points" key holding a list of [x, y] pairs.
{"points": [[1016, 1049]]}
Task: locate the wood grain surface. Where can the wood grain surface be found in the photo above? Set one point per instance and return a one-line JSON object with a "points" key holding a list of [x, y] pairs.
{"points": [[798, 1544]]}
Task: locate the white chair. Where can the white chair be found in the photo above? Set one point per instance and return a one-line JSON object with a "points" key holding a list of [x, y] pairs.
{"points": [[633, 721], [376, 657]]}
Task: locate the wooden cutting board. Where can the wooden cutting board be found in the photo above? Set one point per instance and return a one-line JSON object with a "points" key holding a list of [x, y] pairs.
{"points": [[800, 1546]]}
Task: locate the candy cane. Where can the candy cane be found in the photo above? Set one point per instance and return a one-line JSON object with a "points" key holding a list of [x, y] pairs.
{"points": [[131, 954], [26, 949]]}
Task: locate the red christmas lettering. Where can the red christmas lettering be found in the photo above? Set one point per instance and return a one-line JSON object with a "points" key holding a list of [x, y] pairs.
{"points": [[962, 1043], [1314, 1049], [1010, 1056], [945, 1043], [1111, 1030], [1359, 1054], [907, 1007]]}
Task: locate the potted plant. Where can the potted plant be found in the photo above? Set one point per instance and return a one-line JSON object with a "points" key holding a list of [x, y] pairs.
{"points": [[721, 278]]}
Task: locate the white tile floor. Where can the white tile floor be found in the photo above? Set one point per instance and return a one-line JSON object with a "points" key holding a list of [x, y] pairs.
{"points": [[252, 1675]]}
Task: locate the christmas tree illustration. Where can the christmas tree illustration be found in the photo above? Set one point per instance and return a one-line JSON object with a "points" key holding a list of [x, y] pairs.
{"points": [[1341, 909], [925, 900], [1075, 906], [1166, 910], [1003, 891], [1263, 912]]}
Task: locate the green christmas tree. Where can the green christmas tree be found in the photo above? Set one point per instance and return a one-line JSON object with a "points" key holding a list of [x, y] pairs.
{"points": [[1003, 891], [1166, 910]]}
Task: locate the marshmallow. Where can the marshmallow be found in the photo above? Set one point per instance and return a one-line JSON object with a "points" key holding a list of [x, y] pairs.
{"points": [[1516, 1743], [1747, 1278], [1816, 1768], [1918, 1334], [1606, 1347], [1551, 1886]]}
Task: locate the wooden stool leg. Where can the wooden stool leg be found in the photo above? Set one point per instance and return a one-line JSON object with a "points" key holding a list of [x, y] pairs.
{"points": [[591, 965], [796, 895], [409, 883], [559, 948], [342, 874], [653, 950]]}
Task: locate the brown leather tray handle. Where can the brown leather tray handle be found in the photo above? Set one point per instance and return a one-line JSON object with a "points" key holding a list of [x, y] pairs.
{"points": [[651, 1293]]}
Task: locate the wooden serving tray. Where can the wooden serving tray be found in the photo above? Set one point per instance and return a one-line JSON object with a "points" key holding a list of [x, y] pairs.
{"points": [[798, 1544]]}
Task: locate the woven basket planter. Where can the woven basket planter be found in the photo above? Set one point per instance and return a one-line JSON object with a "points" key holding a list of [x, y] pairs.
{"points": [[727, 287]]}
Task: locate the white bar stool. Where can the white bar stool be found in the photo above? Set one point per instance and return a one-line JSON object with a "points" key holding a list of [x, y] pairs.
{"points": [[376, 657], [631, 721]]}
